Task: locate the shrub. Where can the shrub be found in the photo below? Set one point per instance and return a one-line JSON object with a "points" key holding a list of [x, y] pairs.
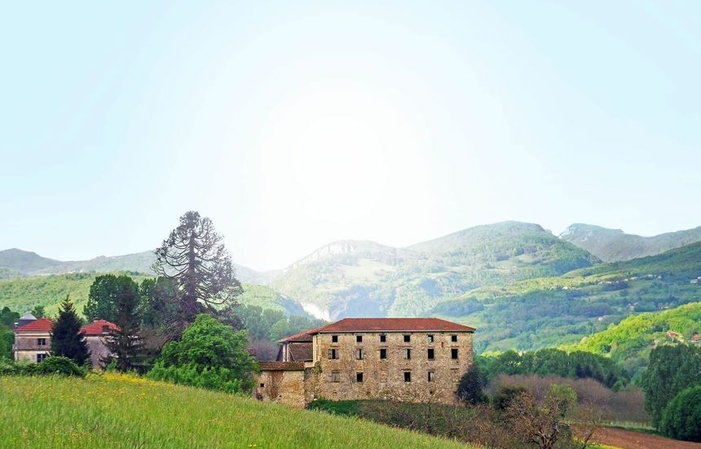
{"points": [[682, 416], [59, 365]]}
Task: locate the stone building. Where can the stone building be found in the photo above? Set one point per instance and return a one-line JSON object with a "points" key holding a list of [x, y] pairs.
{"points": [[402, 359], [95, 334]]}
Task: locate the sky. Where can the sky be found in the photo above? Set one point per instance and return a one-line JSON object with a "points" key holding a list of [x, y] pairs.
{"points": [[293, 124]]}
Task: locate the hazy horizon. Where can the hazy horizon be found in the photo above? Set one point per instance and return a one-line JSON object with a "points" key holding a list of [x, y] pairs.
{"points": [[292, 125]]}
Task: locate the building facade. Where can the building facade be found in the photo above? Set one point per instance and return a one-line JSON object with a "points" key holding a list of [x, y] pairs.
{"points": [[402, 359]]}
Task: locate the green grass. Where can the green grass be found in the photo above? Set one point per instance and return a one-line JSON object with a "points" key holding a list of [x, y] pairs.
{"points": [[128, 412]]}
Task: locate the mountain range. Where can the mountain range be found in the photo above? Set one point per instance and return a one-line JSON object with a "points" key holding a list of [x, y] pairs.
{"points": [[519, 284]]}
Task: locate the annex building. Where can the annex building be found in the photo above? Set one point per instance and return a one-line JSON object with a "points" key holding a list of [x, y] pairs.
{"points": [[404, 359]]}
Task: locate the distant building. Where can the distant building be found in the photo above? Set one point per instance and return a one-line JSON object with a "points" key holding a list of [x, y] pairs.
{"points": [[405, 359], [33, 339]]}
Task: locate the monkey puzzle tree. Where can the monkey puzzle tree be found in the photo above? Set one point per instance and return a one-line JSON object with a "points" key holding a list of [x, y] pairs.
{"points": [[194, 256]]}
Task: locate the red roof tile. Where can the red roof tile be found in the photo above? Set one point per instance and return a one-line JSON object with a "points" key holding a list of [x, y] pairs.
{"points": [[40, 325], [394, 325], [301, 336], [98, 327]]}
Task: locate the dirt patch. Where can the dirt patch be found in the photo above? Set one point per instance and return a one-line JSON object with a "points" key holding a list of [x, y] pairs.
{"points": [[626, 439]]}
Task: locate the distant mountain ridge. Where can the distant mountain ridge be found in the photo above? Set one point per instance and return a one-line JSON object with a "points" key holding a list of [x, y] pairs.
{"points": [[614, 245]]}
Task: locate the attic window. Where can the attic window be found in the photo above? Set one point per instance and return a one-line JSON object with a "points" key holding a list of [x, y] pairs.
{"points": [[430, 338], [41, 341], [334, 339], [358, 338], [407, 338], [454, 338], [383, 338]]}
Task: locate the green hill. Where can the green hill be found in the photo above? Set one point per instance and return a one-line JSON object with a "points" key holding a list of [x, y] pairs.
{"points": [[16, 260], [128, 412], [358, 278], [630, 341], [545, 312], [613, 245]]}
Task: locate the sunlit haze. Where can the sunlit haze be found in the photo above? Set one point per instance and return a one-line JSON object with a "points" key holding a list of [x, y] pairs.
{"points": [[294, 124]]}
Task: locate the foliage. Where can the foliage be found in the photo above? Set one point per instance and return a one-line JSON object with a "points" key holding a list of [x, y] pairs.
{"points": [[7, 337], [105, 295], [39, 312], [60, 365], [210, 355], [195, 257], [672, 369], [131, 412], [554, 362], [122, 298], [472, 383], [682, 416], [160, 307], [66, 339]]}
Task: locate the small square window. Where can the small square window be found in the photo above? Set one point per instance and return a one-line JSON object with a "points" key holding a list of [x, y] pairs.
{"points": [[407, 338], [358, 338], [359, 354], [262, 385], [383, 338], [454, 338], [454, 353], [431, 354], [383, 353], [407, 354], [334, 339], [430, 338], [335, 376], [41, 341], [407, 376], [358, 377], [431, 376]]}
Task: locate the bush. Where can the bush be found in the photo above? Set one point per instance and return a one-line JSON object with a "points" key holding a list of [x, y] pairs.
{"points": [[59, 365], [682, 416]]}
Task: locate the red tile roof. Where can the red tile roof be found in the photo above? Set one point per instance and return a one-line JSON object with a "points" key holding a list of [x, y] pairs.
{"points": [[301, 336], [97, 327], [40, 325], [393, 325]]}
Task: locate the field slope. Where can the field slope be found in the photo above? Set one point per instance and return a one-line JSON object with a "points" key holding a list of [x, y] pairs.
{"points": [[125, 412]]}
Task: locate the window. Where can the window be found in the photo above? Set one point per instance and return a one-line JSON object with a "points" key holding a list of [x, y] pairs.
{"points": [[383, 353], [334, 339], [430, 338], [262, 385], [431, 376], [41, 341], [407, 338], [407, 354], [358, 338], [383, 338], [454, 353], [359, 354], [454, 338], [407, 376], [431, 354], [358, 377], [335, 376], [41, 357], [333, 354]]}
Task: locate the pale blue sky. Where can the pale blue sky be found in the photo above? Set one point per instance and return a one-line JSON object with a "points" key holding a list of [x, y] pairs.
{"points": [[293, 124]]}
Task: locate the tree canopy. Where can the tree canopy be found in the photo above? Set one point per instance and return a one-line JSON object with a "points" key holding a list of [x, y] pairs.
{"points": [[209, 355], [66, 339], [195, 257]]}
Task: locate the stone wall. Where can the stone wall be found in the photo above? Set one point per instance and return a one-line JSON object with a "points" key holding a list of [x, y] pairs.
{"points": [[281, 382], [350, 366]]}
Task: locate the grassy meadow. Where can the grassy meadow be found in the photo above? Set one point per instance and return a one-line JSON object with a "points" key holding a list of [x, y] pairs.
{"points": [[129, 412]]}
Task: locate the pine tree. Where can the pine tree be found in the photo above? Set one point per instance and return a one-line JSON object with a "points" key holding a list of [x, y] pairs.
{"points": [[124, 343], [66, 339]]}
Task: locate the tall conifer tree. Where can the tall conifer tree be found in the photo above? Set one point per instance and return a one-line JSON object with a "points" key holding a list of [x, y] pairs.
{"points": [[66, 339]]}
